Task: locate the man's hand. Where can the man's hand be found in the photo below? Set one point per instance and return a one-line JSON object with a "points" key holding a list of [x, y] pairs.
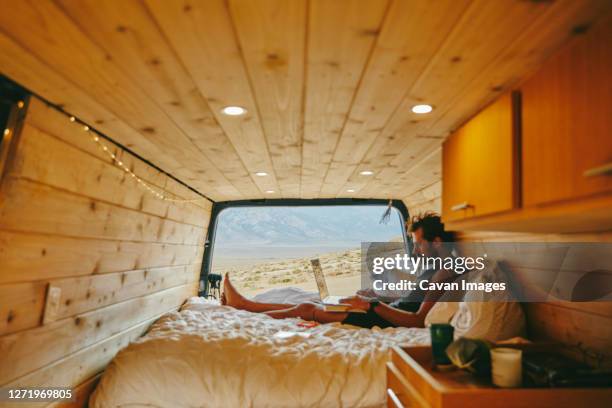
{"points": [[357, 302], [366, 293]]}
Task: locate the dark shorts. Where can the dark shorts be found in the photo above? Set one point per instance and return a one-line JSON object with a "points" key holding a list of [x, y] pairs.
{"points": [[371, 319], [367, 320]]}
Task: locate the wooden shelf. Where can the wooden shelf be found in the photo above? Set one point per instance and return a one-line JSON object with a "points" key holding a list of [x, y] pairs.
{"points": [[584, 215], [412, 381]]}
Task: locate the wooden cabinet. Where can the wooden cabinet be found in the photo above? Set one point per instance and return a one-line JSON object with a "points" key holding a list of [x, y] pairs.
{"points": [[543, 166], [479, 166], [413, 382], [567, 122]]}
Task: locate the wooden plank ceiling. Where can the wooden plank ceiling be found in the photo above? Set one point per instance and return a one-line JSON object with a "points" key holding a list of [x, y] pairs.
{"points": [[328, 85]]}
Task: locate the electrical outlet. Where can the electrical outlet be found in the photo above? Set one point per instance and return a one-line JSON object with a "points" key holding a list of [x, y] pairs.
{"points": [[52, 304]]}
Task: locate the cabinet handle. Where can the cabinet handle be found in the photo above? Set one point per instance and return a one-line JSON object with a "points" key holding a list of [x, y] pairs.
{"points": [[396, 401], [461, 206], [599, 171]]}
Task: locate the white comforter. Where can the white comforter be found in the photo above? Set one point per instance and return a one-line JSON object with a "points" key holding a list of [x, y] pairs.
{"points": [[209, 355]]}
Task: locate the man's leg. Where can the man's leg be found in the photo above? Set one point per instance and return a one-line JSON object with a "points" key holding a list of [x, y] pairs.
{"points": [[233, 298], [308, 311]]}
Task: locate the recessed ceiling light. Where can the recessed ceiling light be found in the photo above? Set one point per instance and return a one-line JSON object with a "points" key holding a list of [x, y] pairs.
{"points": [[366, 173], [270, 191], [261, 174], [350, 190], [421, 109], [234, 110]]}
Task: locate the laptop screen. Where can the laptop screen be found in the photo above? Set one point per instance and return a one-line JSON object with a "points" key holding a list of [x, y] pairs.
{"points": [[319, 278]]}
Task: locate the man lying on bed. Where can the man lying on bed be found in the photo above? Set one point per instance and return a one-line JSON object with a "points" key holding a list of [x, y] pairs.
{"points": [[428, 234]]}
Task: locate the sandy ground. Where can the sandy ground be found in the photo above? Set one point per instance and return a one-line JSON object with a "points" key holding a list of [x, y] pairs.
{"points": [[342, 272]]}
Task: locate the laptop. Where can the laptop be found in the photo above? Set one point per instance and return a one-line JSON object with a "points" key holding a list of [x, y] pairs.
{"points": [[330, 303]]}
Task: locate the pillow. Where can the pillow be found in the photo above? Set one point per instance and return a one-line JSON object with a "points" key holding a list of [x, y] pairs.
{"points": [[491, 316], [493, 321]]}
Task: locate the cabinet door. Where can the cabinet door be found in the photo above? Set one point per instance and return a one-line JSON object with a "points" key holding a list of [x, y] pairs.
{"points": [[567, 127], [478, 163]]}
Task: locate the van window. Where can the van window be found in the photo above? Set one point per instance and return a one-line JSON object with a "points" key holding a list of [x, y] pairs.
{"points": [[270, 247]]}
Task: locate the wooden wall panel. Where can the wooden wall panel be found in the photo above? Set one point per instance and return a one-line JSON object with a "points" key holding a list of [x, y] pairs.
{"points": [[85, 363], [203, 37], [112, 85], [396, 64], [327, 85], [339, 42], [575, 326], [37, 347], [46, 119], [427, 199], [462, 70], [26, 68], [140, 45], [22, 305], [113, 256], [81, 392], [80, 295], [29, 256], [586, 327], [39, 208], [90, 177], [272, 38]]}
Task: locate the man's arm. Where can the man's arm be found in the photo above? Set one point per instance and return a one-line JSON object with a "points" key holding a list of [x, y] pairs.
{"points": [[370, 293], [417, 319], [394, 316]]}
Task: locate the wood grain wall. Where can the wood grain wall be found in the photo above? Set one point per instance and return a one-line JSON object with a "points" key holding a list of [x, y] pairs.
{"points": [[327, 85], [586, 327], [71, 219], [427, 199]]}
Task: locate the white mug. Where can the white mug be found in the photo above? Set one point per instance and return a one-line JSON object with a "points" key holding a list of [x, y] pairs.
{"points": [[506, 365]]}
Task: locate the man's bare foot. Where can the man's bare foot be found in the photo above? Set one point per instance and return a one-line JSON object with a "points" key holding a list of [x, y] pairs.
{"points": [[230, 296]]}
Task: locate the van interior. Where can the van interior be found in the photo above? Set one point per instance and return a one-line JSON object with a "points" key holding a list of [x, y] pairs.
{"points": [[150, 146]]}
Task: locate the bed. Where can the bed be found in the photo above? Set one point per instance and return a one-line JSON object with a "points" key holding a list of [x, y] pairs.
{"points": [[208, 355]]}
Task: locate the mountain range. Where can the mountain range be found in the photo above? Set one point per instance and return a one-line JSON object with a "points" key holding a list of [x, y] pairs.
{"points": [[306, 226]]}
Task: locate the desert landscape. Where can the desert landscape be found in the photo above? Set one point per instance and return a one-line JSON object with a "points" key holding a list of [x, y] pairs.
{"points": [[342, 271], [271, 247]]}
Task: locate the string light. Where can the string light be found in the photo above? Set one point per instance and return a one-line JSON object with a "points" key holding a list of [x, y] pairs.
{"points": [[161, 194]]}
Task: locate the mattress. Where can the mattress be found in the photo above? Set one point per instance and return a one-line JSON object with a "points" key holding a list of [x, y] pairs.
{"points": [[208, 355]]}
